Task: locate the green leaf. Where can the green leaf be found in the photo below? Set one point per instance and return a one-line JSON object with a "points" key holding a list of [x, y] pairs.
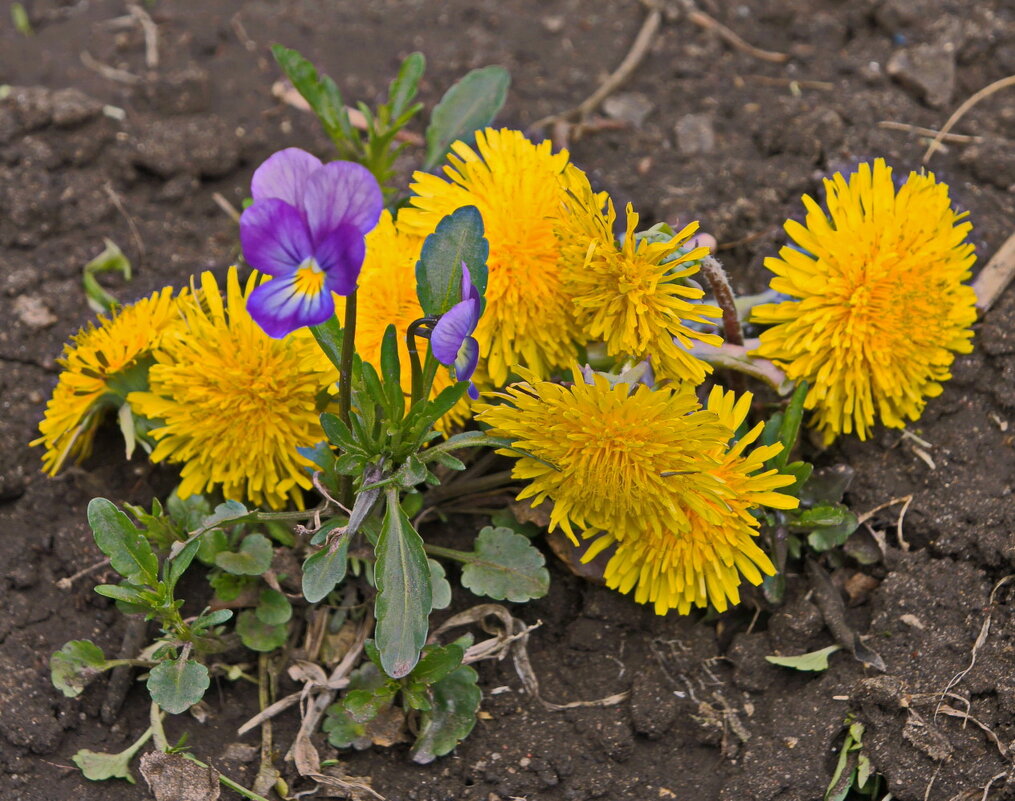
{"points": [[458, 238], [342, 730], [505, 565], [323, 570], [75, 665], [273, 608], [404, 596], [440, 588], [814, 661], [437, 663], [411, 473], [178, 565], [177, 685], [789, 430], [258, 636], [119, 592], [98, 767], [321, 93], [364, 705], [391, 371], [339, 435], [826, 485], [505, 518], [110, 260], [454, 702], [467, 106], [212, 619], [253, 558], [129, 552], [329, 338], [403, 88], [227, 512]]}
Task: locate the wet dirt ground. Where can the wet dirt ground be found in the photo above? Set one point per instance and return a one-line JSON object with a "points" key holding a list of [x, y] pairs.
{"points": [[96, 143]]}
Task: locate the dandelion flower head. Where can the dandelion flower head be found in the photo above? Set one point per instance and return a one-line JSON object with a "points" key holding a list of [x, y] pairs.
{"points": [[99, 369], [515, 184], [879, 308], [231, 404], [707, 560], [633, 296]]}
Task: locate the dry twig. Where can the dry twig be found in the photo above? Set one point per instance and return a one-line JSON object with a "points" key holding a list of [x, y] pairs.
{"points": [[960, 112], [639, 49], [135, 233], [891, 125], [151, 35], [709, 23], [112, 73], [995, 277]]}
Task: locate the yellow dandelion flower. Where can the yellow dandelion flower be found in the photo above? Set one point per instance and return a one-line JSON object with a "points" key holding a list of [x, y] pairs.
{"points": [[879, 307], [633, 296], [608, 456], [386, 295], [654, 474], [706, 561], [515, 185], [232, 404], [100, 366]]}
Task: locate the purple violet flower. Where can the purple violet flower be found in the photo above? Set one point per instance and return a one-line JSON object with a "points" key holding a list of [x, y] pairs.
{"points": [[306, 227], [451, 340]]}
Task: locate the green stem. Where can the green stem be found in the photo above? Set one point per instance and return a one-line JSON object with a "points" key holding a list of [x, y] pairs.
{"points": [[283, 517], [449, 553], [138, 744], [468, 486], [416, 391], [159, 733], [225, 781], [345, 385]]}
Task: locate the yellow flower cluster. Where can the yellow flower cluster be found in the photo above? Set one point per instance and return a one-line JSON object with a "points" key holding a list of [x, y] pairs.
{"points": [[879, 308], [652, 472]]}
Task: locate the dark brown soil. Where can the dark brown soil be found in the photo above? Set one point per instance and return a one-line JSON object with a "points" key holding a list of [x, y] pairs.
{"points": [[728, 139]]}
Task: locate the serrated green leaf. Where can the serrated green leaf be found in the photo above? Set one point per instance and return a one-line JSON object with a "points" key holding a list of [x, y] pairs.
{"points": [[404, 597], [505, 565], [342, 730], [227, 512], [75, 665], [273, 608], [322, 571], [459, 237], [454, 702], [467, 106], [177, 685], [321, 93], [129, 552], [814, 661], [258, 636], [440, 588], [253, 558]]}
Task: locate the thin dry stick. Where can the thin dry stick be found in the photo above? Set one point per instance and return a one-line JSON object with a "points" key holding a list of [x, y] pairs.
{"points": [[112, 73], [995, 277], [151, 35], [66, 582], [986, 91], [905, 500], [800, 83], [707, 22], [892, 125], [134, 232], [226, 206], [639, 48]]}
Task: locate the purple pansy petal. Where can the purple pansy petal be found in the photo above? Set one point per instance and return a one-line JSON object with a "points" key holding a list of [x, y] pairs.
{"points": [[469, 291], [451, 331], [342, 192], [468, 358], [284, 176], [274, 237], [473, 392], [279, 308], [340, 254]]}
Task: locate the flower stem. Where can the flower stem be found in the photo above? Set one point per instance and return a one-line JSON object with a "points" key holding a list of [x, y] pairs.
{"points": [[345, 383]]}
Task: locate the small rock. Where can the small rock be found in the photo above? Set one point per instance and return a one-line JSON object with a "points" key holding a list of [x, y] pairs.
{"points": [[33, 311], [240, 752], [16, 280], [695, 134], [200, 145], [554, 23], [72, 107], [653, 705], [33, 104], [927, 70], [992, 162], [23, 576], [630, 107], [186, 91]]}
